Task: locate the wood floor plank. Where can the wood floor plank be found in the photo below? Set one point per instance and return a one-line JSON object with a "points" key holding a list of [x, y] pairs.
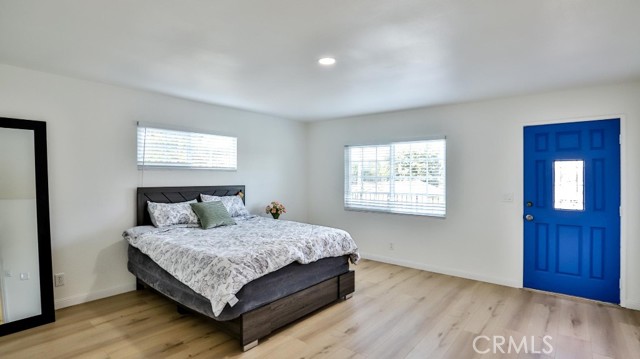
{"points": [[396, 312], [601, 333], [598, 356], [571, 347], [624, 343], [573, 321]]}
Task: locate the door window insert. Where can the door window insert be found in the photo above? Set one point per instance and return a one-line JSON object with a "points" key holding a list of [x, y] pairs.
{"points": [[568, 185]]}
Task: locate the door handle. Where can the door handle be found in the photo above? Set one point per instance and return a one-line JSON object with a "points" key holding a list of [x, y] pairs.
{"points": [[528, 217]]}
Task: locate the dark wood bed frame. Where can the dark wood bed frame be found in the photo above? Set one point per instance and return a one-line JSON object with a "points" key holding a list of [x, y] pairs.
{"points": [[260, 322]]}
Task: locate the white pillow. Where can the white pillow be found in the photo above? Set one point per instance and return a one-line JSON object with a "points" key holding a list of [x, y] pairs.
{"points": [[233, 204], [168, 214]]}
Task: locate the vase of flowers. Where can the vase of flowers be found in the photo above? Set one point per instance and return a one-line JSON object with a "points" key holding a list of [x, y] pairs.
{"points": [[275, 208]]}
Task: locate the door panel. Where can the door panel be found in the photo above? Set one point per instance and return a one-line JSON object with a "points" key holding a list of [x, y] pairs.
{"points": [[571, 207], [568, 240]]}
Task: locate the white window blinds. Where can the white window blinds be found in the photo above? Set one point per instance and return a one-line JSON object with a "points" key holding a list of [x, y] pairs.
{"points": [[399, 177], [159, 147]]}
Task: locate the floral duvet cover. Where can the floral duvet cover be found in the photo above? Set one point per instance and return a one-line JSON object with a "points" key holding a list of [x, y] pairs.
{"points": [[218, 262]]}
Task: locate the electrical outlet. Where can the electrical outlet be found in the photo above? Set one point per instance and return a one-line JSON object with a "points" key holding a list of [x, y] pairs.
{"points": [[58, 279], [392, 246]]}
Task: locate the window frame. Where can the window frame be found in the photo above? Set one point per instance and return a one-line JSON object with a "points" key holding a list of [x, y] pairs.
{"points": [[439, 211], [144, 165]]}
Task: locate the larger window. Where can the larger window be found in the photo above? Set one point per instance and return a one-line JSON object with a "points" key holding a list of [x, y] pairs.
{"points": [[158, 147], [398, 177]]}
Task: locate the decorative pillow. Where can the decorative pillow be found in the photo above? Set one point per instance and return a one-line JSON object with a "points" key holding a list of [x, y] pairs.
{"points": [[233, 204], [212, 214], [168, 214]]}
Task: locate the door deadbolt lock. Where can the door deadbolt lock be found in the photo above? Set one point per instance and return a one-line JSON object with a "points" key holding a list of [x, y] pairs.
{"points": [[529, 204]]}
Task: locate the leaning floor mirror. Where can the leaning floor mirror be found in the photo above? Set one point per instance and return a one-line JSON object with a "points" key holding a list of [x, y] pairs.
{"points": [[26, 288]]}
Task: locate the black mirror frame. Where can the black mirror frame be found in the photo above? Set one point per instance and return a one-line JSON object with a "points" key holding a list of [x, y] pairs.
{"points": [[47, 315]]}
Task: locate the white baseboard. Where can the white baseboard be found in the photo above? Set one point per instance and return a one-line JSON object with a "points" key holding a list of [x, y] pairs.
{"points": [[631, 305], [441, 270], [88, 297]]}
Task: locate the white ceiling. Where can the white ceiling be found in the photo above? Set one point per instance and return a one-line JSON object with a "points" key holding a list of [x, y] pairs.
{"points": [[261, 55]]}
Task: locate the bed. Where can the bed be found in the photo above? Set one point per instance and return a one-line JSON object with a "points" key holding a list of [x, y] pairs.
{"points": [[264, 304]]}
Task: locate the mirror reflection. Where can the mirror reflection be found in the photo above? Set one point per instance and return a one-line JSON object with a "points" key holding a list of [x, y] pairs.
{"points": [[19, 261]]}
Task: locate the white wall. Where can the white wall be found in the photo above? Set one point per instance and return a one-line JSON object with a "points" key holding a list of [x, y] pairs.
{"points": [[93, 174], [481, 237]]}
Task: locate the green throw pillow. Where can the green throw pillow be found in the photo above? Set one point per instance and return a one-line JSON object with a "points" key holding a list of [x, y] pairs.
{"points": [[212, 214]]}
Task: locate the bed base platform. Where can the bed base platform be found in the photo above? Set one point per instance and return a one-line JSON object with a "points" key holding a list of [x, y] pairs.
{"points": [[258, 323]]}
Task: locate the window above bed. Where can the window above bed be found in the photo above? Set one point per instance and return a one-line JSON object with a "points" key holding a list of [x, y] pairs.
{"points": [[398, 177], [168, 148]]}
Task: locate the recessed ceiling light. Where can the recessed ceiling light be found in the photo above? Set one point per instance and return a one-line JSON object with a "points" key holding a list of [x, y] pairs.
{"points": [[327, 61]]}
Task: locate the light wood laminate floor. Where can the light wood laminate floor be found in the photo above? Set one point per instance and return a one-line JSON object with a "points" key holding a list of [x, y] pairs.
{"points": [[396, 312]]}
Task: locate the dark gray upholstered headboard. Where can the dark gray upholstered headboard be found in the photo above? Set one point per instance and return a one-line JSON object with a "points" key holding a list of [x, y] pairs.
{"points": [[177, 194]]}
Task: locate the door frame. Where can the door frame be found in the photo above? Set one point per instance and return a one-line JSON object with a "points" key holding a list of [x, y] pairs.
{"points": [[623, 190]]}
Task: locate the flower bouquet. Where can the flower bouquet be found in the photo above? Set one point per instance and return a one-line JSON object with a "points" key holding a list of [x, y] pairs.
{"points": [[275, 208]]}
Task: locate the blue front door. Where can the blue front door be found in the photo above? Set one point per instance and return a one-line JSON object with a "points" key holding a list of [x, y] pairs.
{"points": [[572, 209]]}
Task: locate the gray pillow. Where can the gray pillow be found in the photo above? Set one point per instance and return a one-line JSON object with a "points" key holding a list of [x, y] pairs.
{"points": [[212, 214], [233, 204], [168, 214]]}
